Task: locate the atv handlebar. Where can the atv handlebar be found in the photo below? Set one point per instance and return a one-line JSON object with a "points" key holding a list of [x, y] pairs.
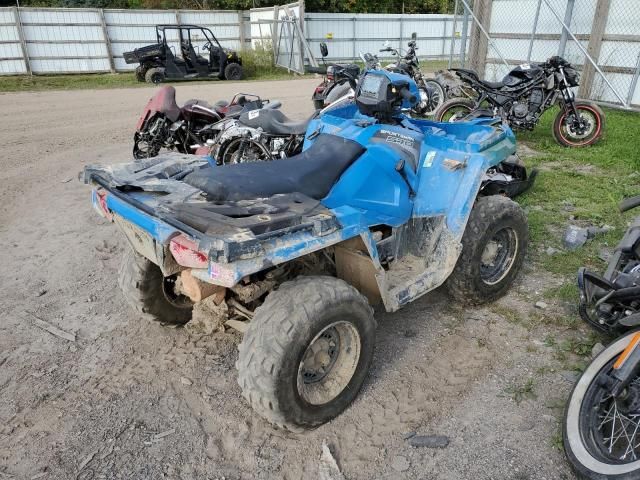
{"points": [[629, 203]]}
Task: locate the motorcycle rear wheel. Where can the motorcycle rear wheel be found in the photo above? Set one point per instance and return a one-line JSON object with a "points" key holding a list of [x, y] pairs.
{"points": [[431, 98], [566, 133], [252, 152], [454, 110], [591, 414]]}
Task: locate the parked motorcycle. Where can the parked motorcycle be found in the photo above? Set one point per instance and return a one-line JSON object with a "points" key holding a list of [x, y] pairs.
{"points": [[524, 94], [258, 135], [163, 124], [602, 417], [432, 94], [335, 82]]}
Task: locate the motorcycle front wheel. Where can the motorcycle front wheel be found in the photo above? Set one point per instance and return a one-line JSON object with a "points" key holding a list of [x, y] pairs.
{"points": [[148, 141], [454, 110], [570, 131], [601, 434]]}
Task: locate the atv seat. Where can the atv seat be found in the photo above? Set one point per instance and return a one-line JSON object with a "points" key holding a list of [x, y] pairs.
{"points": [[474, 75], [273, 122], [312, 173]]}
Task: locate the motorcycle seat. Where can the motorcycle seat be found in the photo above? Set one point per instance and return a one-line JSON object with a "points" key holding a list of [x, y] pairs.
{"points": [[474, 75], [312, 173], [631, 239], [273, 122]]}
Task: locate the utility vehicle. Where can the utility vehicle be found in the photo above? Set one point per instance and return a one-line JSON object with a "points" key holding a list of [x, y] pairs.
{"points": [[378, 209], [158, 62]]}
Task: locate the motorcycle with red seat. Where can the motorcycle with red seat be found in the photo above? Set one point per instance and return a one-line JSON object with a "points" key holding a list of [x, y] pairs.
{"points": [[164, 124]]}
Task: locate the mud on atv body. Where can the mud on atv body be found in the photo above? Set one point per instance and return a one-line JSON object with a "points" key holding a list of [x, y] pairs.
{"points": [[296, 250]]}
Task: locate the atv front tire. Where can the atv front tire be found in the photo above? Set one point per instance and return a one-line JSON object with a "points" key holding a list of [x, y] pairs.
{"points": [[140, 73], [493, 249], [148, 292], [233, 71], [154, 75], [307, 352]]}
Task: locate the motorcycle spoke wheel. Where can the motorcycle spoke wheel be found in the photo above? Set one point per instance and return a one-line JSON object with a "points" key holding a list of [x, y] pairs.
{"points": [[611, 426], [431, 98], [251, 151]]}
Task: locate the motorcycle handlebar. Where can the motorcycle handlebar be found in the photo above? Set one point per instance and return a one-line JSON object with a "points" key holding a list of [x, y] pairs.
{"points": [[311, 69], [629, 203]]}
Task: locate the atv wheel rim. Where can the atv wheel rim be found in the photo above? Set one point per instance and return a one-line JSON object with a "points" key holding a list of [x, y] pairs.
{"points": [[173, 297], [498, 256], [329, 363]]}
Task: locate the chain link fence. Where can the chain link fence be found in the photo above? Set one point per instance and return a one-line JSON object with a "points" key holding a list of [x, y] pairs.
{"points": [[600, 37]]}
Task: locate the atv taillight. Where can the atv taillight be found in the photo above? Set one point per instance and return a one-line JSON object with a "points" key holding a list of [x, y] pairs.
{"points": [[185, 252], [319, 89], [101, 197]]}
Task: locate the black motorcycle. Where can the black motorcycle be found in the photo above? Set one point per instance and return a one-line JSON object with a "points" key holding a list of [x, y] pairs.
{"points": [[602, 418], [432, 94], [523, 95]]}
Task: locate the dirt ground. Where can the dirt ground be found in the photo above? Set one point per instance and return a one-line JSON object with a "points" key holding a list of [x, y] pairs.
{"points": [[133, 399]]}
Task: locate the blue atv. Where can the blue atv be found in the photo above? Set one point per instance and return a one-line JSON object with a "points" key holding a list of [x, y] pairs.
{"points": [[378, 209]]}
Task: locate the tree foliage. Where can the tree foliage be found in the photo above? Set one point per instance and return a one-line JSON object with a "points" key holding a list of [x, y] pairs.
{"points": [[339, 6]]}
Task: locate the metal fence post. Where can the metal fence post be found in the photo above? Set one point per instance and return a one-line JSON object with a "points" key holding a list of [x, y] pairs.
{"points": [[453, 34], [634, 83], [241, 37], [533, 30], [568, 15], [595, 44], [274, 32], [107, 40], [353, 38], [23, 43], [463, 40]]}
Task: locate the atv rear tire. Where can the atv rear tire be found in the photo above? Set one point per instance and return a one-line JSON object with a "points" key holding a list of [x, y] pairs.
{"points": [[154, 75], [233, 71], [150, 293], [493, 249], [290, 384]]}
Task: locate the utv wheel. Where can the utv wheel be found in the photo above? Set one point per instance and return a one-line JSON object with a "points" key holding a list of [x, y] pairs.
{"points": [[140, 73], [306, 352], [493, 248], [154, 75], [233, 71], [454, 110], [568, 135], [149, 292]]}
